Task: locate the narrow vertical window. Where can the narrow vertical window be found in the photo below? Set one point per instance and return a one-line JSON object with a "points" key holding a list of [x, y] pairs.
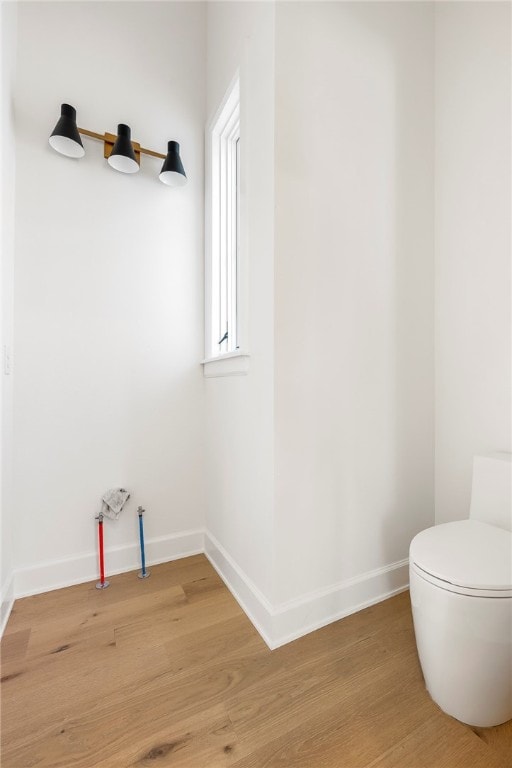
{"points": [[223, 227]]}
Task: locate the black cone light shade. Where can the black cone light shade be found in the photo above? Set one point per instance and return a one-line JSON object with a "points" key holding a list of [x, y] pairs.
{"points": [[65, 137], [173, 173], [122, 157]]}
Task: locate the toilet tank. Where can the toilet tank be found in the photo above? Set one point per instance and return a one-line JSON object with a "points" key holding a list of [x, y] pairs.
{"points": [[491, 492]]}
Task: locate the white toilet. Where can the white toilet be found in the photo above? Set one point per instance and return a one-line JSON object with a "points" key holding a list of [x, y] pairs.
{"points": [[461, 595]]}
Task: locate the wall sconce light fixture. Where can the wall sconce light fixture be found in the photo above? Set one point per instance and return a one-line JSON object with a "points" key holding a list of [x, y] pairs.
{"points": [[121, 152]]}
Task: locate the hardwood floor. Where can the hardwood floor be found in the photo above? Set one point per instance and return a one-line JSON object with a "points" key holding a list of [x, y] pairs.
{"points": [[169, 672]]}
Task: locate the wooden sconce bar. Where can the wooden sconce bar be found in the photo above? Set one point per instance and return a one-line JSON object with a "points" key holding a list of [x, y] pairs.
{"points": [[109, 139]]}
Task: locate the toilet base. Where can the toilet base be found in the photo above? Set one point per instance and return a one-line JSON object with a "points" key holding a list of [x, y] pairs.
{"points": [[465, 650]]}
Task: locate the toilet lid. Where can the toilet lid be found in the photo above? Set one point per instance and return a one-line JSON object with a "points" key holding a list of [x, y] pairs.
{"points": [[467, 554]]}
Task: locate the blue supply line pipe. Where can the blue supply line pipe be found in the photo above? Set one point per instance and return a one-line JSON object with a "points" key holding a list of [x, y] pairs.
{"points": [[143, 574]]}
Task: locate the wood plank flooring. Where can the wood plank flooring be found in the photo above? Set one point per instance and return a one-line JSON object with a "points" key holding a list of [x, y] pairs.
{"points": [[169, 672]]}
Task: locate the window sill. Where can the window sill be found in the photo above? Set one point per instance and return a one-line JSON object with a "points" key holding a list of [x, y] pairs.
{"points": [[231, 364]]}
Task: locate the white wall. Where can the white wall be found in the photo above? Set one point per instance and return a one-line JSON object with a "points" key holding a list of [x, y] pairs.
{"points": [[473, 244], [8, 17], [354, 291], [240, 416], [320, 460], [108, 316]]}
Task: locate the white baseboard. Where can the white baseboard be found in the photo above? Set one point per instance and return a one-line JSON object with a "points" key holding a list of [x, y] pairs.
{"points": [[317, 609], [55, 574], [7, 598], [280, 624], [249, 597], [277, 624]]}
